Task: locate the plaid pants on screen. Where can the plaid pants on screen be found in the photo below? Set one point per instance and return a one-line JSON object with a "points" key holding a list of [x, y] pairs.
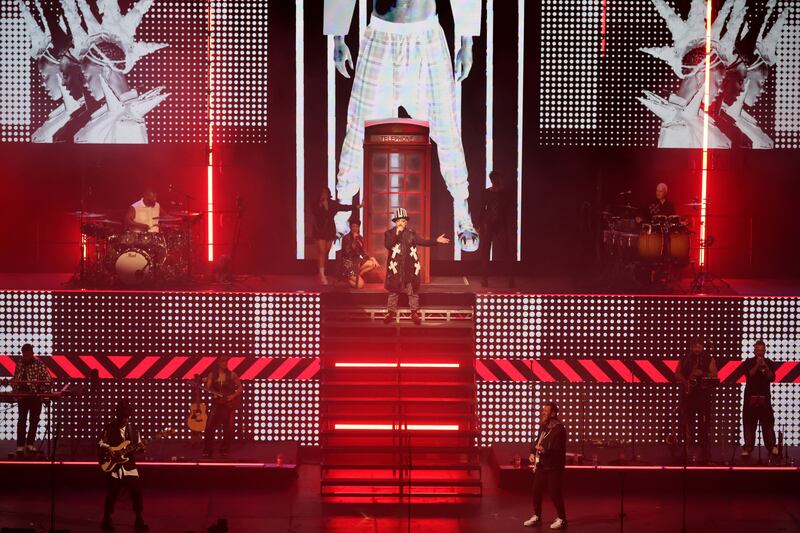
{"points": [[404, 64]]}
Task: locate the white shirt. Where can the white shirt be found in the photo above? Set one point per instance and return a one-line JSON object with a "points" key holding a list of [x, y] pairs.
{"points": [[338, 15], [147, 215]]}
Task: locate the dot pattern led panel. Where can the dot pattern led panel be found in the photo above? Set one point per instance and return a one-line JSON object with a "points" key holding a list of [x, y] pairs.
{"points": [[26, 318], [238, 84], [287, 324], [239, 70], [589, 95], [518, 326]]}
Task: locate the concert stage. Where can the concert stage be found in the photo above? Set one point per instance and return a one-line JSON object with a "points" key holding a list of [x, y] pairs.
{"points": [[386, 419]]}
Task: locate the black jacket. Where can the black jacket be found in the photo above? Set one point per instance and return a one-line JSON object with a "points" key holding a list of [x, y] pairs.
{"points": [[402, 261], [554, 442], [113, 437]]}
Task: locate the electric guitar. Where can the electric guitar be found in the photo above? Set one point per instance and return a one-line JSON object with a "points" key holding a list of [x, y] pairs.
{"points": [[120, 454], [198, 413]]}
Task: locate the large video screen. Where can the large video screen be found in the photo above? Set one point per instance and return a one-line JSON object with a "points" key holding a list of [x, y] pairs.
{"points": [[133, 71], [632, 73]]}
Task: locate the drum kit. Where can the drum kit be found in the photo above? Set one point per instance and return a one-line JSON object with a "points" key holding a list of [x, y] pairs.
{"points": [[658, 248], [112, 255]]}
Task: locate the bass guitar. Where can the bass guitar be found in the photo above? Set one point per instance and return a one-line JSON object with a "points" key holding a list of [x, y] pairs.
{"points": [[121, 454]]}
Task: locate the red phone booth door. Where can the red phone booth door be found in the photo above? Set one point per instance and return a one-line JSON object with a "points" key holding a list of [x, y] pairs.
{"points": [[397, 156]]}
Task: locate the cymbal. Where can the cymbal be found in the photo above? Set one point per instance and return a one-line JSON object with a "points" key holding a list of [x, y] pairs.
{"points": [[108, 221], [186, 214], [695, 204], [86, 214]]}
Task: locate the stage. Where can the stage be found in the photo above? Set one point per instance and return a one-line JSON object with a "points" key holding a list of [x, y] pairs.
{"points": [[738, 502]]}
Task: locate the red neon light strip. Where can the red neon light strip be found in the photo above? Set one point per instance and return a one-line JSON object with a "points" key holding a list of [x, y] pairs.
{"points": [[624, 372], [391, 427], [396, 365], [92, 362], [210, 168], [706, 105]]}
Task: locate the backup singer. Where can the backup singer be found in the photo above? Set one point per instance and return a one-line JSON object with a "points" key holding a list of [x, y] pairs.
{"points": [[31, 376], [695, 401], [324, 229], [125, 475], [226, 390], [759, 373], [548, 459], [497, 206], [354, 260], [403, 264]]}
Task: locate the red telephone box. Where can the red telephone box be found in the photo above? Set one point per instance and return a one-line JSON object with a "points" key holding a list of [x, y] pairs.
{"points": [[397, 168]]}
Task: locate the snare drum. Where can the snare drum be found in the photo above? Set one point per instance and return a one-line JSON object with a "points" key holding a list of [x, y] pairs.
{"points": [[651, 242]]}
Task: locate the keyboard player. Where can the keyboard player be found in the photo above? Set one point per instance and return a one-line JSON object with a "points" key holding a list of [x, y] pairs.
{"points": [[30, 378]]}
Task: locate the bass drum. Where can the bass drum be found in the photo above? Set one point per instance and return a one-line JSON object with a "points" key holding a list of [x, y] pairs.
{"points": [[133, 266], [651, 243]]}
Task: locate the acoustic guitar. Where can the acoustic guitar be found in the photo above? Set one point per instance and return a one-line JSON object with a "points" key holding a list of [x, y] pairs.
{"points": [[198, 412]]}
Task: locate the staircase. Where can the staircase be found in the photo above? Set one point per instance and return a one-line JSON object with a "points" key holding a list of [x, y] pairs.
{"points": [[398, 404]]}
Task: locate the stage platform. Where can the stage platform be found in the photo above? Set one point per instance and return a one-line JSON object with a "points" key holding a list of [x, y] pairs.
{"points": [[451, 285], [170, 462]]}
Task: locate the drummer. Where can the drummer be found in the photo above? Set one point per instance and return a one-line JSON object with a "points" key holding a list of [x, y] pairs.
{"points": [[143, 215], [661, 206]]}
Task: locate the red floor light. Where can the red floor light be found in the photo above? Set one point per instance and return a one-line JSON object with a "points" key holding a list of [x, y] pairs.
{"points": [[396, 365], [392, 427]]}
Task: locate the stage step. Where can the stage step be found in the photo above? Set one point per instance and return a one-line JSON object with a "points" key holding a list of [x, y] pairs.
{"points": [[390, 377]]}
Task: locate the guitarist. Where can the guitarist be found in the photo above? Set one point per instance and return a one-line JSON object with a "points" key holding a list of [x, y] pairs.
{"points": [[125, 475], [696, 398], [226, 391], [548, 459]]}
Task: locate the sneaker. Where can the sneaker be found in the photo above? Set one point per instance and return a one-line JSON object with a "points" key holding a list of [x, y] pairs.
{"points": [[416, 319], [30, 448], [532, 521], [20, 450], [322, 279], [558, 523], [775, 451], [388, 318], [745, 454], [467, 235]]}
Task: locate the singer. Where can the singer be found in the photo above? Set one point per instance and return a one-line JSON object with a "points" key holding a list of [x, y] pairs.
{"points": [[403, 265]]}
